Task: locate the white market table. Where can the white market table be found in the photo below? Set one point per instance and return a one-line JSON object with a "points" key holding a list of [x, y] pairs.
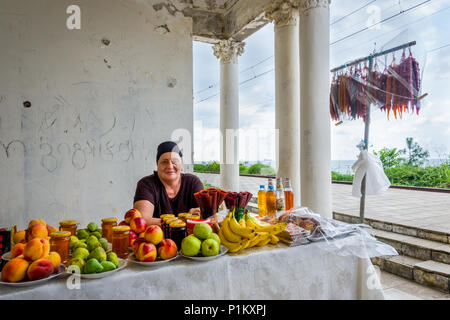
{"points": [[273, 272]]}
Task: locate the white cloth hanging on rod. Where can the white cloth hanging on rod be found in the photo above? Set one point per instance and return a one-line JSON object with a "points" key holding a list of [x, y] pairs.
{"points": [[376, 180]]}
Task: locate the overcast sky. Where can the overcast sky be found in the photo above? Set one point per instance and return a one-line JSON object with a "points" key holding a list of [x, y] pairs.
{"points": [[428, 24]]}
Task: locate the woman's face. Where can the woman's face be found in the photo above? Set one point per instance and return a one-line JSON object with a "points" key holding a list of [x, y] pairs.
{"points": [[169, 166]]}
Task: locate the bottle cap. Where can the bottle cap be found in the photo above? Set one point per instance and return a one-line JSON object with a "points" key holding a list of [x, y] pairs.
{"points": [[262, 187], [270, 188]]}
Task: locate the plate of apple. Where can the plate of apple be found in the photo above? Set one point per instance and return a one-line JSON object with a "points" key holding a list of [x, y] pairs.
{"points": [[203, 244], [150, 255]]}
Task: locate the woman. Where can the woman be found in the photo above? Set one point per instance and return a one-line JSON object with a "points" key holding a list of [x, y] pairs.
{"points": [[167, 190]]}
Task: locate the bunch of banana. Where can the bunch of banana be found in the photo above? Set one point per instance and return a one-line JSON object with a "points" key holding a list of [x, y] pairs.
{"points": [[247, 233]]}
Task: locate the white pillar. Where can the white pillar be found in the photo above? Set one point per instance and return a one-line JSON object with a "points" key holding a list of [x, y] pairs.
{"points": [[287, 95], [228, 52], [315, 144]]}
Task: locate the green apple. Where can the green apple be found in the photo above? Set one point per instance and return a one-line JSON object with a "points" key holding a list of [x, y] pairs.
{"points": [[215, 236], [202, 231], [190, 246], [210, 247]]}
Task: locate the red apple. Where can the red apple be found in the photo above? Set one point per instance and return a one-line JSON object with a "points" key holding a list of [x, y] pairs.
{"points": [[131, 214], [138, 225], [153, 234], [167, 249], [132, 238], [146, 252], [136, 244]]}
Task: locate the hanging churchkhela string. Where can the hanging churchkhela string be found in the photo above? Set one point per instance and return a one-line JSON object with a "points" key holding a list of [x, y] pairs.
{"points": [[396, 89]]}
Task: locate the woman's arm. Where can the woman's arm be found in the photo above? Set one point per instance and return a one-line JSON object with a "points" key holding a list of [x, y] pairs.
{"points": [[147, 208]]}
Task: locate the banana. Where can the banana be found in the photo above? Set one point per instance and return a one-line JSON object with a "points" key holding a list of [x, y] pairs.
{"points": [[232, 247], [249, 221], [274, 229], [227, 233], [263, 242], [242, 223], [255, 240], [238, 229], [245, 243], [274, 239]]}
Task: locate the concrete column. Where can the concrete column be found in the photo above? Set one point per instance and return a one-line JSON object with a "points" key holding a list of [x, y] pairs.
{"points": [[228, 52], [287, 92], [315, 145]]}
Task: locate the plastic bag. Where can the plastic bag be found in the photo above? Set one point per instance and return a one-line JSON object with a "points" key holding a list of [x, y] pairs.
{"points": [[370, 166], [338, 237]]}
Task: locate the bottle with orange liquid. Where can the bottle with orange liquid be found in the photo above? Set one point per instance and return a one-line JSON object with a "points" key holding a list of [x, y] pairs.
{"points": [[262, 201], [288, 195], [271, 200]]}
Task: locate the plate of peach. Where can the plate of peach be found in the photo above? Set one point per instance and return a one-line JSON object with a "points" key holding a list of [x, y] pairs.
{"points": [[19, 270]]}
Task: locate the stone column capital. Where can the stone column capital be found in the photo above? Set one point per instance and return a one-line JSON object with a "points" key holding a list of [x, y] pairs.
{"points": [[228, 50], [282, 12], [306, 5]]}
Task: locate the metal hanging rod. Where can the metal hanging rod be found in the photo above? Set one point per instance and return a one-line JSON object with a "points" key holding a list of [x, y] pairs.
{"points": [[373, 56]]}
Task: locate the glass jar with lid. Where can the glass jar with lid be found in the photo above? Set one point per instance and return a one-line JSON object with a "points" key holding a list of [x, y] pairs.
{"points": [[120, 241], [68, 225], [177, 232], [107, 226], [59, 242]]}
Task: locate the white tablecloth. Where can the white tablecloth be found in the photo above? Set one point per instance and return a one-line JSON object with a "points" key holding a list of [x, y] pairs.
{"points": [[275, 273]]}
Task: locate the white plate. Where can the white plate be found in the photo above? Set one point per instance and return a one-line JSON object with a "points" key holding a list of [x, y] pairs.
{"points": [[7, 256], [122, 264], [222, 251], [155, 263], [61, 270]]}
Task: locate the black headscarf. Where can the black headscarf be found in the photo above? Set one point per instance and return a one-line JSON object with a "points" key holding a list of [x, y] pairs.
{"points": [[167, 146]]}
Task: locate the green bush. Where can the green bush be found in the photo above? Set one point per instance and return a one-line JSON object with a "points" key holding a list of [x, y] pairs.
{"points": [[261, 169], [336, 176]]}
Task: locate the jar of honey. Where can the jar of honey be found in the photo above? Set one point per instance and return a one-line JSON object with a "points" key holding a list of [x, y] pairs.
{"points": [[120, 240], [107, 225], [165, 225], [59, 242], [177, 232], [68, 225]]}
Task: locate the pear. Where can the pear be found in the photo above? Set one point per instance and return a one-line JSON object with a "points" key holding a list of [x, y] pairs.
{"points": [[79, 262], [92, 226], [112, 257], [93, 266], [92, 243], [73, 240], [108, 266], [104, 243], [79, 244], [97, 234], [99, 254], [82, 253], [82, 234]]}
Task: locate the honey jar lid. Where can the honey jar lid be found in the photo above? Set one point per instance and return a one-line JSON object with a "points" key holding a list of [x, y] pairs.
{"points": [[67, 223], [60, 234], [166, 215], [177, 224], [121, 228], [169, 219], [109, 220], [194, 217]]}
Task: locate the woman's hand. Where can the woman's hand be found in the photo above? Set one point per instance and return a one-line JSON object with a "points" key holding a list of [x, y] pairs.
{"points": [[195, 211]]}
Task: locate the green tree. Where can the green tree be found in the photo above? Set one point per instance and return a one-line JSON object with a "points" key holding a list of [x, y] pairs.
{"points": [[416, 155], [390, 157]]}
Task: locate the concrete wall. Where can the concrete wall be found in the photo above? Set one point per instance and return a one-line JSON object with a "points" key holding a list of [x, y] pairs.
{"points": [[97, 112]]}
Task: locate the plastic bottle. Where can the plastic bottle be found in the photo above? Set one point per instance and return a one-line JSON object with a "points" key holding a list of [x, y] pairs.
{"points": [[280, 195], [271, 201], [262, 201], [288, 195]]}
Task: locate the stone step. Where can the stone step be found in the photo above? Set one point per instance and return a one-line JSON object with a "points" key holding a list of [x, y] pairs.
{"points": [[415, 247], [429, 273], [421, 233]]}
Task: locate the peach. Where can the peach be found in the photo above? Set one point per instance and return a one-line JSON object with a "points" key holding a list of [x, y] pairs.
{"points": [[15, 270], [136, 244], [36, 249], [132, 238], [17, 250], [138, 225], [147, 252], [19, 237], [36, 221], [131, 214], [40, 269], [153, 234], [167, 249], [55, 259], [51, 229], [36, 230], [123, 223]]}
